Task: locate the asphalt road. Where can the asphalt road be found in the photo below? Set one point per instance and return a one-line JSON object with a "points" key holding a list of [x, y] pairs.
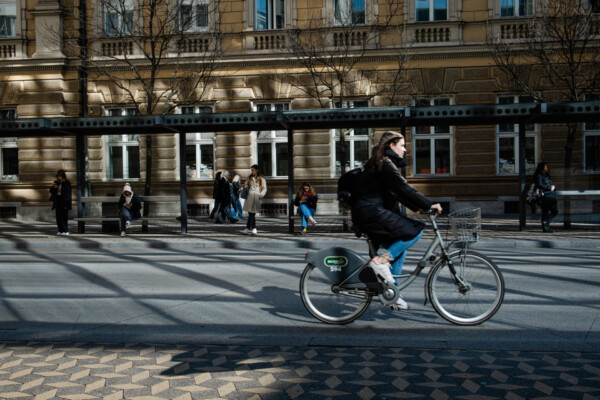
{"points": [[250, 297]]}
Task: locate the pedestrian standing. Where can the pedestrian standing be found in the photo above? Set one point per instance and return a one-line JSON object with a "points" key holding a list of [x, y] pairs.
{"points": [[61, 197], [549, 203], [257, 189]]}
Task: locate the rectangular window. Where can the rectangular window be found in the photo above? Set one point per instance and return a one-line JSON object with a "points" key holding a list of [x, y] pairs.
{"points": [[431, 10], [271, 146], [199, 149], [123, 150], [591, 143], [118, 17], [270, 14], [9, 152], [8, 18], [508, 142], [193, 15], [349, 12], [516, 8], [432, 144], [356, 143]]}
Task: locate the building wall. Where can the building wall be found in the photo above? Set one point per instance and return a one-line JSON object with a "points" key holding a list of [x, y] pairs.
{"points": [[448, 59]]}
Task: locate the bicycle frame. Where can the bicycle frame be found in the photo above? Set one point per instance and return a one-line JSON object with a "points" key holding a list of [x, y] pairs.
{"points": [[348, 280]]}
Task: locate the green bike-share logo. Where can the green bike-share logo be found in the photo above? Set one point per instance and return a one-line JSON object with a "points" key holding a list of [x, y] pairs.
{"points": [[335, 263]]}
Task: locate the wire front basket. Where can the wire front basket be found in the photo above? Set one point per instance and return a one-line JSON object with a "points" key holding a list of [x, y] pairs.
{"points": [[465, 225]]}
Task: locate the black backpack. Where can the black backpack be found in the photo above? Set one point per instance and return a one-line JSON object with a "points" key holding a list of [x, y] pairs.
{"points": [[347, 184]]}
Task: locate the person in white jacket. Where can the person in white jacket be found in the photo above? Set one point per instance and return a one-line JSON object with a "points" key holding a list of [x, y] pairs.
{"points": [[257, 189]]}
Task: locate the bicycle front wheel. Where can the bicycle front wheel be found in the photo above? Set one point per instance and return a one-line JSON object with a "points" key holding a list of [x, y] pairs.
{"points": [[471, 299], [328, 303]]}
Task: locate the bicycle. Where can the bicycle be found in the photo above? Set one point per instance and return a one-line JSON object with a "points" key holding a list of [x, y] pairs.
{"points": [[464, 287]]}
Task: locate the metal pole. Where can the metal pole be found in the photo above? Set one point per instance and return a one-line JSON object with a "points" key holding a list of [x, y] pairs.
{"points": [[522, 180], [182, 182], [80, 140], [290, 151]]}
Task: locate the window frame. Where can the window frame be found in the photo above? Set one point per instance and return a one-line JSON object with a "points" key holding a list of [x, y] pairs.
{"points": [[272, 139], [195, 28], [14, 22], [349, 18], [514, 135], [127, 140], [200, 139], [271, 19], [433, 135], [517, 5], [130, 13], [351, 139], [8, 114], [431, 8]]}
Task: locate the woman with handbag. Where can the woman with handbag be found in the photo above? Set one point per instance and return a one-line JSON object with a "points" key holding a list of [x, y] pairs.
{"points": [[542, 180], [257, 189]]}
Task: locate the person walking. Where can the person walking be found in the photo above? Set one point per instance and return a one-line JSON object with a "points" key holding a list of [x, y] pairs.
{"points": [[375, 209], [549, 203], [236, 206], [224, 199], [214, 195], [257, 189], [129, 207], [306, 201], [61, 198]]}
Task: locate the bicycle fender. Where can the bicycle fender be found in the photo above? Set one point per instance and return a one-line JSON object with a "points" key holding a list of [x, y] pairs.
{"points": [[338, 263]]}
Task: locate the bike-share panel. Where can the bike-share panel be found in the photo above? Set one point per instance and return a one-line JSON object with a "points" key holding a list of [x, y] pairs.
{"points": [[339, 265]]}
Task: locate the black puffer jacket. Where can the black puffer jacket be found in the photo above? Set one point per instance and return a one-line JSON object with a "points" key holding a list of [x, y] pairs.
{"points": [[375, 208], [543, 181]]}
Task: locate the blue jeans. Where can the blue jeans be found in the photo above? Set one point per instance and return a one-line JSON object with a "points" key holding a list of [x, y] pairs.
{"points": [[305, 212], [125, 216], [398, 253], [236, 210]]}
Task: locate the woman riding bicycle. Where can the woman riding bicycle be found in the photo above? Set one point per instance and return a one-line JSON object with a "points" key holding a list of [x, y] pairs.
{"points": [[375, 209]]}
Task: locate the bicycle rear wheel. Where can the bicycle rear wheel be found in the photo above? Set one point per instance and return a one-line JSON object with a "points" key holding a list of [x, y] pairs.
{"points": [[473, 301], [328, 303]]}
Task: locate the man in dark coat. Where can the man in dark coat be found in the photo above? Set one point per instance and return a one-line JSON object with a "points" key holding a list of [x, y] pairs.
{"points": [[375, 209]]}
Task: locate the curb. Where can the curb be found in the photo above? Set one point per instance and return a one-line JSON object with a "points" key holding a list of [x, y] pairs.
{"points": [[269, 243]]}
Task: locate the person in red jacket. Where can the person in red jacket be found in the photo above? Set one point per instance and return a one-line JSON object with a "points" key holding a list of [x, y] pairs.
{"points": [[306, 201]]}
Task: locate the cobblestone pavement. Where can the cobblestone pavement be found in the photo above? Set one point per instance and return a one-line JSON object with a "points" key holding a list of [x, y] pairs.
{"points": [[149, 371]]}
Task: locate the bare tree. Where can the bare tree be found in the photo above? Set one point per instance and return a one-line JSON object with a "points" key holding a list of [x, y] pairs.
{"points": [[331, 56], [554, 57], [156, 53]]}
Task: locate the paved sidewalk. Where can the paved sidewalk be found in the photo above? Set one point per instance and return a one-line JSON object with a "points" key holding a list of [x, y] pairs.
{"points": [[153, 371], [274, 232]]}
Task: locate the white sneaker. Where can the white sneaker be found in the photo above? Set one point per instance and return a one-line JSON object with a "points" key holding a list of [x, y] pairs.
{"points": [[254, 231], [127, 224], [401, 304], [383, 270], [312, 221], [123, 233], [65, 233], [59, 234], [245, 231]]}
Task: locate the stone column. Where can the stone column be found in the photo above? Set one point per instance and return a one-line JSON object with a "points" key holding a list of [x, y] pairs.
{"points": [[48, 29]]}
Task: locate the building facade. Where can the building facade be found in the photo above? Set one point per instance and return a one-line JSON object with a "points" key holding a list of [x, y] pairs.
{"points": [[128, 57]]}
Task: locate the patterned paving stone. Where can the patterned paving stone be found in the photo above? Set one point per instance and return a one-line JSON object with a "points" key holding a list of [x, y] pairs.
{"points": [[142, 371]]}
